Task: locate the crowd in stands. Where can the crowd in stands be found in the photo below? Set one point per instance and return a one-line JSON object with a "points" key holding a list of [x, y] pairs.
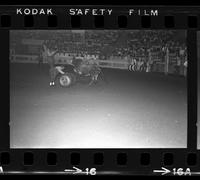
{"points": [[136, 46]]}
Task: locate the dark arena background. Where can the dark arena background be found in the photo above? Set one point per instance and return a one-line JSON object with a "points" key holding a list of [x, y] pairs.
{"points": [[139, 101]]}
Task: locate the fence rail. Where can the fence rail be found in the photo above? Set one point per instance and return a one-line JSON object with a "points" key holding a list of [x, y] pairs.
{"points": [[161, 66], [67, 60], [15, 58]]}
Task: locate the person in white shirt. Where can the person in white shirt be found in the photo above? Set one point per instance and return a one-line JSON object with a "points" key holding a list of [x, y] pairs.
{"points": [[185, 68], [60, 69], [147, 66], [178, 65]]}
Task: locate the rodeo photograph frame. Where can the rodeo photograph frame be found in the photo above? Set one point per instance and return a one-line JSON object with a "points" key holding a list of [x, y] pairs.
{"points": [[92, 93], [81, 62]]}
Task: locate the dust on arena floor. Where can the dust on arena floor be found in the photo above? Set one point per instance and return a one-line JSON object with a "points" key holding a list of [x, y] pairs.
{"points": [[130, 110]]}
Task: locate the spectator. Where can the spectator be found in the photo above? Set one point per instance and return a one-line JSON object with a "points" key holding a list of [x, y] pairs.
{"points": [[178, 65], [185, 68]]}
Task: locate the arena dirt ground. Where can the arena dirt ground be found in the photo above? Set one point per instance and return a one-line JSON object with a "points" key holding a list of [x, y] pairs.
{"points": [[130, 110]]}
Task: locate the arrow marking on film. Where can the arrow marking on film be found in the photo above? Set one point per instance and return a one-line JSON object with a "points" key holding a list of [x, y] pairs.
{"points": [[74, 171], [163, 171]]}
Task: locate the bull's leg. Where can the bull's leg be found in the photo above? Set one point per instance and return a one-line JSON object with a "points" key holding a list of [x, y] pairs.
{"points": [[91, 82], [93, 79], [102, 77], [96, 77]]}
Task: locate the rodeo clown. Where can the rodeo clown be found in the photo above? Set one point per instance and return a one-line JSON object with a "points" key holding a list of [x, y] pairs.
{"points": [[133, 65]]}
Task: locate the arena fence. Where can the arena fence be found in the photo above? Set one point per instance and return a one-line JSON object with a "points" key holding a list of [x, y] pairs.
{"points": [[14, 58], [160, 63], [167, 66]]}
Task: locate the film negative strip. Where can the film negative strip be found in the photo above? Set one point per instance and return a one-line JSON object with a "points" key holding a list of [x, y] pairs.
{"points": [[100, 90]]}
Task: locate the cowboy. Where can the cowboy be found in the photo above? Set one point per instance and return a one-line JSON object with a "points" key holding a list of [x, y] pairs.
{"points": [[51, 61]]}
